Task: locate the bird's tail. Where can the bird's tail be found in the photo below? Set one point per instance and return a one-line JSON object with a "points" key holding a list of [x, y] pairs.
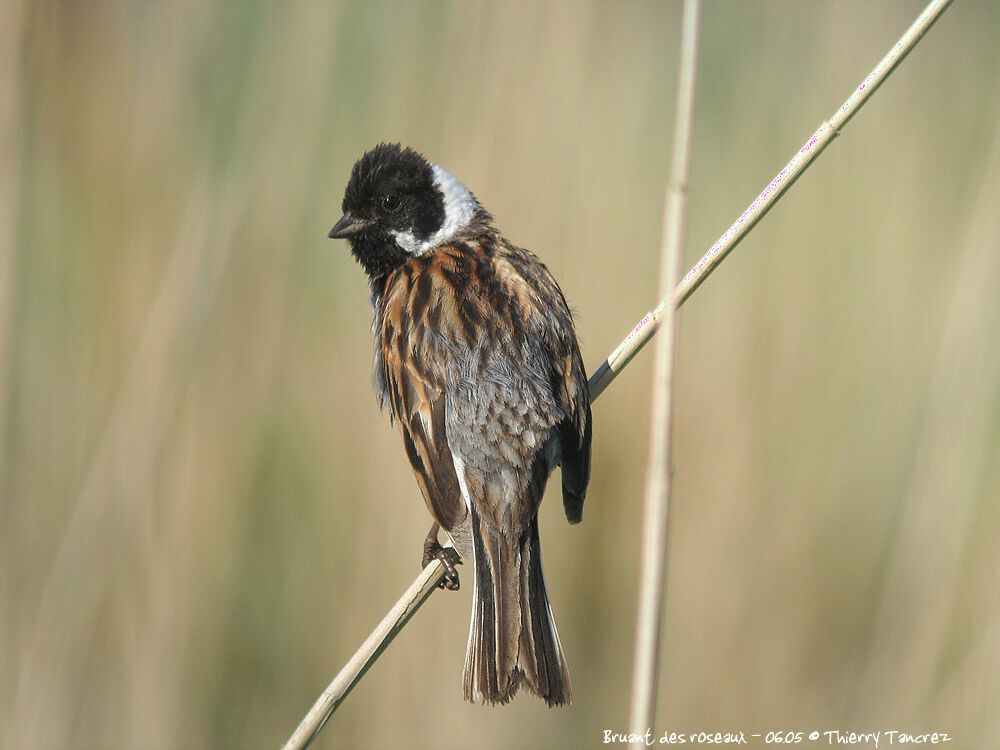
{"points": [[513, 636]]}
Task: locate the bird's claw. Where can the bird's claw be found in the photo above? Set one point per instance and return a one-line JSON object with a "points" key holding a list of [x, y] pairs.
{"points": [[447, 556]]}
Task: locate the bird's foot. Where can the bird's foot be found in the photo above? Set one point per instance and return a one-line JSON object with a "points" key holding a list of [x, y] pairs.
{"points": [[448, 557]]}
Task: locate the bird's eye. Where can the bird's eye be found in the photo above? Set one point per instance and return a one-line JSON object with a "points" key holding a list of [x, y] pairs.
{"points": [[391, 203]]}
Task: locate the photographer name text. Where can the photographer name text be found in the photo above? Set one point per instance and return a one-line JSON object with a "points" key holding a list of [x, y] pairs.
{"points": [[884, 738]]}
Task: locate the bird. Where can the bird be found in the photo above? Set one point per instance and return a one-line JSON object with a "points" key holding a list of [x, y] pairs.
{"points": [[477, 361]]}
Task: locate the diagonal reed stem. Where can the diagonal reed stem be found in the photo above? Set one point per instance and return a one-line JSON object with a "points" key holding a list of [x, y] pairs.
{"points": [[365, 656], [428, 579], [812, 148]]}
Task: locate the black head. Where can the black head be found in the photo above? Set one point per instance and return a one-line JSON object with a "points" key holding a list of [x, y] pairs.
{"points": [[398, 205]]}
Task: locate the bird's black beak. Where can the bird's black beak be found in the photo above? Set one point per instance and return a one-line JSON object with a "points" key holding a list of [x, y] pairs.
{"points": [[348, 225]]}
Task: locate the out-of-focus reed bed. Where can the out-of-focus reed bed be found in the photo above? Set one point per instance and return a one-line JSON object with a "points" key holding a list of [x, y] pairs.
{"points": [[203, 511]]}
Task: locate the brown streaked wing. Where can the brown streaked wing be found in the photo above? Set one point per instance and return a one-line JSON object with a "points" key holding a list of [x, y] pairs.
{"points": [[418, 406]]}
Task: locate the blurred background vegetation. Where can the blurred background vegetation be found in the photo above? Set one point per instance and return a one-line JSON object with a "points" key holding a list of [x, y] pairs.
{"points": [[203, 511]]}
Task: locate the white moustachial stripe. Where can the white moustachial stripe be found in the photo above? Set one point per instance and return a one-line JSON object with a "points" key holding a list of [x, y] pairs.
{"points": [[459, 209]]}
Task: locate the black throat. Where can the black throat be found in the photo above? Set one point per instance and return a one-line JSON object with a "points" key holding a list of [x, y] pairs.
{"points": [[378, 255]]}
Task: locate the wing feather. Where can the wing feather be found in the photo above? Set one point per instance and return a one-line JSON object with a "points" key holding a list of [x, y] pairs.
{"points": [[575, 434], [417, 403]]}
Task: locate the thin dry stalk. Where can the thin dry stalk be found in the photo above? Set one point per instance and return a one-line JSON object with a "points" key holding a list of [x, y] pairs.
{"points": [[653, 560], [365, 656], [812, 148], [623, 354]]}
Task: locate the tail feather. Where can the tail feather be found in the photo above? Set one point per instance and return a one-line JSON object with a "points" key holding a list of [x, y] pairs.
{"points": [[541, 657], [513, 636]]}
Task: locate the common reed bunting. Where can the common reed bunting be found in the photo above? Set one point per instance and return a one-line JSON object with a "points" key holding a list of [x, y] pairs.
{"points": [[477, 360]]}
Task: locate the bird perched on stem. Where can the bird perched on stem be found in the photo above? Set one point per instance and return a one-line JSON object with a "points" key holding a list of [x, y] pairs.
{"points": [[477, 360]]}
